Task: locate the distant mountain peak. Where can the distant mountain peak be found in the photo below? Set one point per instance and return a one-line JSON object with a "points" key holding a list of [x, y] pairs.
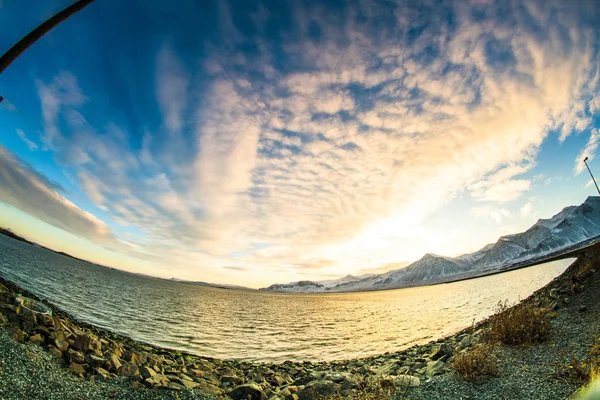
{"points": [[569, 227]]}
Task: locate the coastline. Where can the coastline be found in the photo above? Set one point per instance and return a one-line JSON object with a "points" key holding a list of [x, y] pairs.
{"points": [[107, 360]]}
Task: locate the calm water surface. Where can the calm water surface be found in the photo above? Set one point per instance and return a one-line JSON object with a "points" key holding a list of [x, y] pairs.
{"points": [[261, 326]]}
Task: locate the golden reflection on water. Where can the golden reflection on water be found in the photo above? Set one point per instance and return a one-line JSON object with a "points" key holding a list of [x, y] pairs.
{"points": [[263, 326]]}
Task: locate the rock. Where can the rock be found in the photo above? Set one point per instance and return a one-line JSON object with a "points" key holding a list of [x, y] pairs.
{"points": [[17, 335], [208, 388], [318, 389], [196, 372], [406, 381], [28, 319], [211, 378], [147, 372], [95, 361], [250, 391], [55, 352], [102, 375], [232, 380], [36, 339], [190, 384], [113, 362], [75, 357], [436, 368], [466, 342], [175, 386], [95, 346], [134, 358], [136, 385], [129, 369], [77, 369], [440, 351], [82, 343], [61, 344], [156, 380]]}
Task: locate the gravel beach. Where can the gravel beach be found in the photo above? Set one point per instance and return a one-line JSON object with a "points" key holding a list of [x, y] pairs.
{"points": [[60, 358]]}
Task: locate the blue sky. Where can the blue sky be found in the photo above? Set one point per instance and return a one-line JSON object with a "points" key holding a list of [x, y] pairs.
{"points": [[257, 142]]}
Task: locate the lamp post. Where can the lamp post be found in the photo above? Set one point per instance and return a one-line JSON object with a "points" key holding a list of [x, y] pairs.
{"points": [[590, 171], [33, 36]]}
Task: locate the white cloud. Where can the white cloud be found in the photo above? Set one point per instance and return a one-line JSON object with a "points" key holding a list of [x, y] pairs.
{"points": [[588, 151], [172, 84], [31, 192], [32, 146], [526, 210], [494, 214], [348, 148]]}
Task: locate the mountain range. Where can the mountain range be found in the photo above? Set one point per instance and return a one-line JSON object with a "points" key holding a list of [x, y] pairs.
{"points": [[572, 227]]}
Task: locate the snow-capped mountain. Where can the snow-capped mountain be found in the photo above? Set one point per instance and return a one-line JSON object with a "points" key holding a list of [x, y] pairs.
{"points": [[567, 229]]}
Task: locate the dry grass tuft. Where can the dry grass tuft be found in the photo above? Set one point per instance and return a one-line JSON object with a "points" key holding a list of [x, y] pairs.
{"points": [[522, 325], [477, 363], [574, 371]]}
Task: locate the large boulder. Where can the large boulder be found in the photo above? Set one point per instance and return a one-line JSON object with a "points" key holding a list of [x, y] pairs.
{"points": [[249, 391]]}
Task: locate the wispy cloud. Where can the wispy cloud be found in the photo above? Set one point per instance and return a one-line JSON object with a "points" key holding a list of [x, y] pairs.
{"points": [[349, 126], [32, 146], [588, 151], [26, 189], [495, 214]]}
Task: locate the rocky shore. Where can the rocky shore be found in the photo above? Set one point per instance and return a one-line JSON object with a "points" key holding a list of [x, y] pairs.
{"points": [[80, 357]]}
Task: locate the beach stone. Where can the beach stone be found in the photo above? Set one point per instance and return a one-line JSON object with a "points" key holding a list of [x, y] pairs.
{"points": [[406, 381], [435, 368], [75, 356], [55, 352], [136, 385], [82, 343], [28, 319], [465, 342], [440, 351], [208, 388], [175, 386], [147, 372], [95, 346], [113, 362], [36, 339], [102, 375], [133, 357], [61, 343], [95, 361], [129, 369], [317, 389], [77, 369], [250, 391], [156, 380], [211, 378], [196, 373]]}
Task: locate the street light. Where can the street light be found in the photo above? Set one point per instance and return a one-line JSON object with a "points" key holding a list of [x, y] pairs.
{"points": [[33, 36], [590, 171]]}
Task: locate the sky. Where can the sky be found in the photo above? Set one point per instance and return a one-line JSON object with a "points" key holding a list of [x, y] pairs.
{"points": [[257, 142]]}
